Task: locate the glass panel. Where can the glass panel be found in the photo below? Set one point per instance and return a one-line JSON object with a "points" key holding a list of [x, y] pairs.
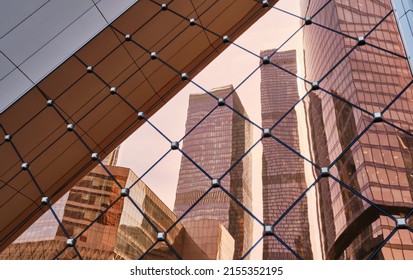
{"points": [[111, 9], [15, 13], [63, 44], [6, 67], [13, 85], [295, 143], [38, 31]]}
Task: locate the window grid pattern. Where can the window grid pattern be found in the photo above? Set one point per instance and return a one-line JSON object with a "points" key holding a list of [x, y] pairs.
{"points": [[112, 86]]}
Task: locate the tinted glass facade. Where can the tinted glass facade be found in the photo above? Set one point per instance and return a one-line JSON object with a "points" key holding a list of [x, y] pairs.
{"points": [[37, 35], [344, 190], [215, 145], [283, 172], [104, 224], [372, 157], [62, 76]]}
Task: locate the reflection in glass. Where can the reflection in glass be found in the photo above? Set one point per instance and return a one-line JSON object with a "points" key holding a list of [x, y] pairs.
{"points": [[378, 164], [215, 145]]}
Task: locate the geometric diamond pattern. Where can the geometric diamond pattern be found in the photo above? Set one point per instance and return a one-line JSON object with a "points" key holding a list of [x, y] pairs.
{"points": [[336, 174]]}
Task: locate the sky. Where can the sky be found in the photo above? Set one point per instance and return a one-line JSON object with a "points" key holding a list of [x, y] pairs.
{"points": [[143, 148]]}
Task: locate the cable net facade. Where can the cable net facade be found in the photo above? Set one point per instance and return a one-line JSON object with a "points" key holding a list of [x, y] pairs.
{"points": [[358, 112]]}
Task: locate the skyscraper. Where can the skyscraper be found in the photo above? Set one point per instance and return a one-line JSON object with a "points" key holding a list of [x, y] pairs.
{"points": [[282, 171], [118, 233], [378, 165], [112, 158], [85, 49], [215, 145]]}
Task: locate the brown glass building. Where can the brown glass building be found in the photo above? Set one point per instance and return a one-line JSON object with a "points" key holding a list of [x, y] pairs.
{"points": [[282, 171], [86, 52], [215, 145], [120, 233], [378, 165]]}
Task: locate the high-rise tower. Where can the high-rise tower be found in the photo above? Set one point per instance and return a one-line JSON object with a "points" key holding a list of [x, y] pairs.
{"points": [[283, 172], [103, 224], [353, 102], [215, 145]]}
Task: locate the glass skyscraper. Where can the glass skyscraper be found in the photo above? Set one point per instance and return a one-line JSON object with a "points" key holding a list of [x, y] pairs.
{"points": [[345, 119], [282, 171], [78, 78], [215, 145], [105, 225], [92, 66]]}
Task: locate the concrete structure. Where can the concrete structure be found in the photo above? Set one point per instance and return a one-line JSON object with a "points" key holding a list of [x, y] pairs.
{"points": [[215, 145], [379, 164], [89, 103], [282, 171]]}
